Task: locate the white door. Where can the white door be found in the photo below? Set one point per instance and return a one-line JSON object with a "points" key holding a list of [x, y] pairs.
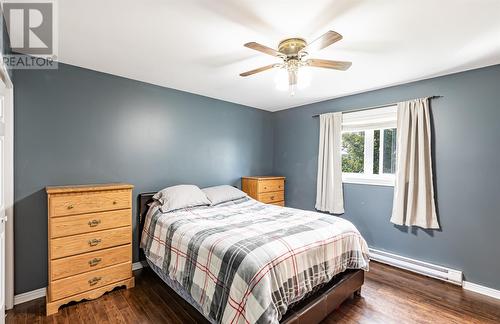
{"points": [[3, 218]]}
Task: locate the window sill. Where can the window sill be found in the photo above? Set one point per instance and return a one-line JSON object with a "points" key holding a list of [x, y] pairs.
{"points": [[367, 180]]}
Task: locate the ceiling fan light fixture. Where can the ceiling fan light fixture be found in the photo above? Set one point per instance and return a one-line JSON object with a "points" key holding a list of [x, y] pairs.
{"points": [[292, 78], [293, 73]]}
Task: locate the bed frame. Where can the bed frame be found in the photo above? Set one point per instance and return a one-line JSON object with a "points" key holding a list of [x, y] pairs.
{"points": [[313, 308]]}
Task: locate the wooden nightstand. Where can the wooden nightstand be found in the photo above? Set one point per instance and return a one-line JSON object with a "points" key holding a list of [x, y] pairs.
{"points": [[266, 189], [90, 241]]}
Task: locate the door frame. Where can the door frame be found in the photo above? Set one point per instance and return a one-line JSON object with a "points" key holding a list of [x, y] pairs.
{"points": [[8, 184]]}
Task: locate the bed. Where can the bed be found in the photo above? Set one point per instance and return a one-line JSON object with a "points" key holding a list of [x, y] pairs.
{"points": [[247, 262]]}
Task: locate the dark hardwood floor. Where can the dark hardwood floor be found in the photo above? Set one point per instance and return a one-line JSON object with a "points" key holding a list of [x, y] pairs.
{"points": [[389, 295]]}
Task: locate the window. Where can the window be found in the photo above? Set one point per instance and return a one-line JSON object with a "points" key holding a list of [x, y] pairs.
{"points": [[369, 146]]}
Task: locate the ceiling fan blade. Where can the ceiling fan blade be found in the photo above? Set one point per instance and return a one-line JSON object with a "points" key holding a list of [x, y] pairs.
{"points": [[263, 49], [323, 41], [337, 65], [261, 69]]}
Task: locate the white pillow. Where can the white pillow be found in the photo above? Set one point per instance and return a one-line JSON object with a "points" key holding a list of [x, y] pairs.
{"points": [[220, 194], [181, 196]]}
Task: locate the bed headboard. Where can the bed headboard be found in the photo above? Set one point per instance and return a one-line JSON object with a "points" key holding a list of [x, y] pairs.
{"points": [[142, 203]]}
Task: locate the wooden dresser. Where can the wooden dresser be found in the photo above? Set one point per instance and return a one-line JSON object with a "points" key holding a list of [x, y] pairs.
{"points": [[90, 241], [266, 189]]}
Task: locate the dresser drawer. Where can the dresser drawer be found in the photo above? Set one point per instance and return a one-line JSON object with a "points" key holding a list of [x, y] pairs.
{"points": [[64, 226], [270, 197], [89, 202], [271, 185], [90, 280], [71, 245], [279, 203], [77, 264]]}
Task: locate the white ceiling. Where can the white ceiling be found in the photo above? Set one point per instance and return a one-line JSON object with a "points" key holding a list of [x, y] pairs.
{"points": [[197, 45]]}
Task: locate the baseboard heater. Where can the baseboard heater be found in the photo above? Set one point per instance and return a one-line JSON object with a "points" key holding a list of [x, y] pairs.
{"points": [[427, 269]]}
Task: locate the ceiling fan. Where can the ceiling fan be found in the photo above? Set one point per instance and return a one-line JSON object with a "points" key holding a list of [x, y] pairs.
{"points": [[294, 53]]}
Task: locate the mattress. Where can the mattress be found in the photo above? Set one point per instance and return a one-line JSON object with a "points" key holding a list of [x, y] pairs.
{"points": [[245, 261]]}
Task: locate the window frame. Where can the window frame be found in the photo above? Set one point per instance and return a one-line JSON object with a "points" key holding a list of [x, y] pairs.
{"points": [[368, 122]]}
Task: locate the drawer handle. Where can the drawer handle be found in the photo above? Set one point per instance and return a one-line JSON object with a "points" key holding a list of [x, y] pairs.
{"points": [[70, 206], [94, 261], [94, 242], [114, 202], [265, 188], [94, 222], [94, 280], [272, 197]]}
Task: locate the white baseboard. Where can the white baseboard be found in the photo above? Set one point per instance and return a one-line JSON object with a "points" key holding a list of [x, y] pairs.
{"points": [[431, 270], [29, 295], [421, 267], [37, 293], [483, 290]]}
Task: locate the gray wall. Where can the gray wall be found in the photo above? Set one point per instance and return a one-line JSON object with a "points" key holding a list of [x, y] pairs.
{"points": [[76, 126], [467, 180]]}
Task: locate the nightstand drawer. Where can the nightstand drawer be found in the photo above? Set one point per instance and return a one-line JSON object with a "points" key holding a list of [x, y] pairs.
{"points": [[71, 245], [271, 185], [271, 197], [86, 223], [65, 267], [90, 280], [73, 204]]}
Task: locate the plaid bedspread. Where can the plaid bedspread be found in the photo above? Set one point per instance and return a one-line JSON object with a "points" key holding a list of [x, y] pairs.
{"points": [[244, 261]]}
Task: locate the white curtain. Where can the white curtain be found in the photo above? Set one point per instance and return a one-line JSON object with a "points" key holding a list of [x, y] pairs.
{"points": [[414, 191], [329, 195]]}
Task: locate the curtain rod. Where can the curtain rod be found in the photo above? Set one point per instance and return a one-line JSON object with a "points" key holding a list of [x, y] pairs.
{"points": [[380, 106]]}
